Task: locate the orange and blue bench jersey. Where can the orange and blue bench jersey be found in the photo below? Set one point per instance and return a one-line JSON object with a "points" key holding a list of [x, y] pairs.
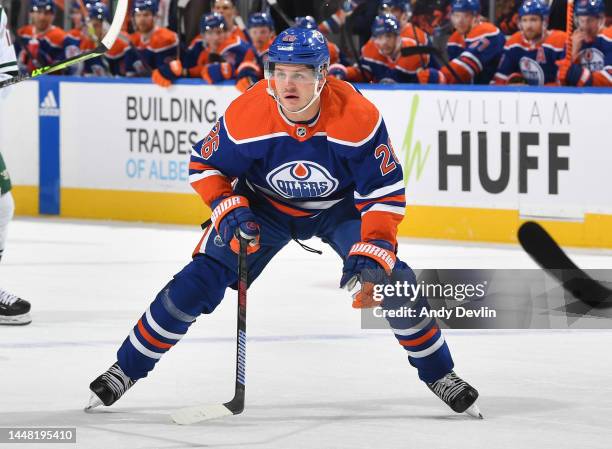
{"points": [[149, 54], [233, 50], [42, 49], [596, 57], [111, 63]]}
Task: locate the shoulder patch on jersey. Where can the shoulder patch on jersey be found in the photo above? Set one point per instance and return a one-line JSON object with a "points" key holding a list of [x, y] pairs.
{"points": [[350, 118], [606, 33], [162, 38], [26, 30], [248, 116], [516, 38], [481, 30], [370, 51], [56, 36], [557, 39], [195, 41], [456, 39]]}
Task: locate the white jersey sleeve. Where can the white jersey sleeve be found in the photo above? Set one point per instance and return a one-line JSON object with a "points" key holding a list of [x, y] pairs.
{"points": [[8, 60]]}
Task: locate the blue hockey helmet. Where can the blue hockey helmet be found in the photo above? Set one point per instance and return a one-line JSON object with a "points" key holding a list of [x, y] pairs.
{"points": [[145, 5], [42, 5], [260, 19], [211, 21], [307, 22], [472, 6], [385, 23], [593, 8], [98, 11], [534, 8], [297, 45], [404, 5]]}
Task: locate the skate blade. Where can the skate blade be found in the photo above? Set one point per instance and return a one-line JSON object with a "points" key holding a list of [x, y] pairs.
{"points": [[192, 415], [17, 320], [94, 401], [474, 411]]}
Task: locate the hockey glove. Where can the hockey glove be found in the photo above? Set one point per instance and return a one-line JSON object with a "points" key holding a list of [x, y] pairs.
{"points": [[216, 72], [573, 74], [374, 256], [431, 76], [166, 74], [231, 216], [338, 70]]}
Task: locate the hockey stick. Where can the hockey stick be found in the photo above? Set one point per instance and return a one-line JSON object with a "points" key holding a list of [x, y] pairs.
{"points": [[545, 251], [280, 12], [107, 42], [569, 29], [192, 415], [432, 51]]}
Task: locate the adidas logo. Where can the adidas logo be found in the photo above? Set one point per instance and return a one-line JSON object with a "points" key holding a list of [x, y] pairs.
{"points": [[49, 106]]}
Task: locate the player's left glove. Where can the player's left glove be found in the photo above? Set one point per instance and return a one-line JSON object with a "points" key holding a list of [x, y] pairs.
{"points": [[431, 76], [231, 216], [337, 70], [216, 72], [573, 74], [373, 255], [166, 74]]}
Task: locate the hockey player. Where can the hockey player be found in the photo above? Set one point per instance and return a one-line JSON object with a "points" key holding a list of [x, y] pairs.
{"points": [[216, 54], [474, 49], [154, 46], [531, 54], [227, 8], [335, 55], [592, 47], [42, 43], [402, 10], [311, 157], [261, 32], [113, 62], [381, 60], [13, 310]]}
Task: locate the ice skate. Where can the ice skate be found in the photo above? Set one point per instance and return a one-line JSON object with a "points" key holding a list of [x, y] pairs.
{"points": [[457, 393], [13, 310], [108, 387]]}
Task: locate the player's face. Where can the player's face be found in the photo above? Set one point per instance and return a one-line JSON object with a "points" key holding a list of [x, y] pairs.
{"points": [[226, 8], [589, 26], [77, 18], [145, 21], [214, 38], [260, 36], [98, 28], [42, 19], [294, 85], [386, 43], [532, 27], [462, 21]]}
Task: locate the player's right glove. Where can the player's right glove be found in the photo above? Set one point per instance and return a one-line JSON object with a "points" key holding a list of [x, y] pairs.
{"points": [[166, 74], [431, 76], [338, 70], [216, 72], [572, 74], [376, 256], [232, 216]]}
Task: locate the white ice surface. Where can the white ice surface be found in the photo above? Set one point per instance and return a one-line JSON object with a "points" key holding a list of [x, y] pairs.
{"points": [[314, 378]]}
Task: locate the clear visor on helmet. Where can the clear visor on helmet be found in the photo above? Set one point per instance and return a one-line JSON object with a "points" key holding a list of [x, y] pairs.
{"points": [[295, 73]]}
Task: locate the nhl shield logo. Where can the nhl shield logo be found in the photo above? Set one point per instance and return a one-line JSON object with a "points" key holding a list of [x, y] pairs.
{"points": [[300, 131], [302, 179]]}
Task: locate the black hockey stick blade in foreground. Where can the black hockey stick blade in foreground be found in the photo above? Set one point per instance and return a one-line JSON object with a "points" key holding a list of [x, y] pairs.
{"points": [[544, 250], [192, 415], [107, 42]]}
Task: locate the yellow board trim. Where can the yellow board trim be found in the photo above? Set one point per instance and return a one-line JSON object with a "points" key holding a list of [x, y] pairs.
{"points": [[26, 200], [433, 222]]}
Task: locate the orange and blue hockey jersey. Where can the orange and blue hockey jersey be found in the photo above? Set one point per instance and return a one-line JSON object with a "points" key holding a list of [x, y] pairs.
{"points": [[380, 68], [343, 155], [596, 60], [535, 63], [475, 57], [149, 53], [113, 62], [41, 49], [233, 52]]}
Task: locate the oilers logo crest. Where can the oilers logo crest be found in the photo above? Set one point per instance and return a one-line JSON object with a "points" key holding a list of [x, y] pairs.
{"points": [[531, 71], [301, 179], [592, 58]]}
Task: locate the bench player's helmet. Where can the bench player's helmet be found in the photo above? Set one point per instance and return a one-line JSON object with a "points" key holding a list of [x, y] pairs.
{"points": [[385, 23], [211, 21], [308, 22], [98, 11], [534, 8], [145, 5], [300, 46], [403, 5], [42, 5], [472, 6], [260, 19], [594, 8]]}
